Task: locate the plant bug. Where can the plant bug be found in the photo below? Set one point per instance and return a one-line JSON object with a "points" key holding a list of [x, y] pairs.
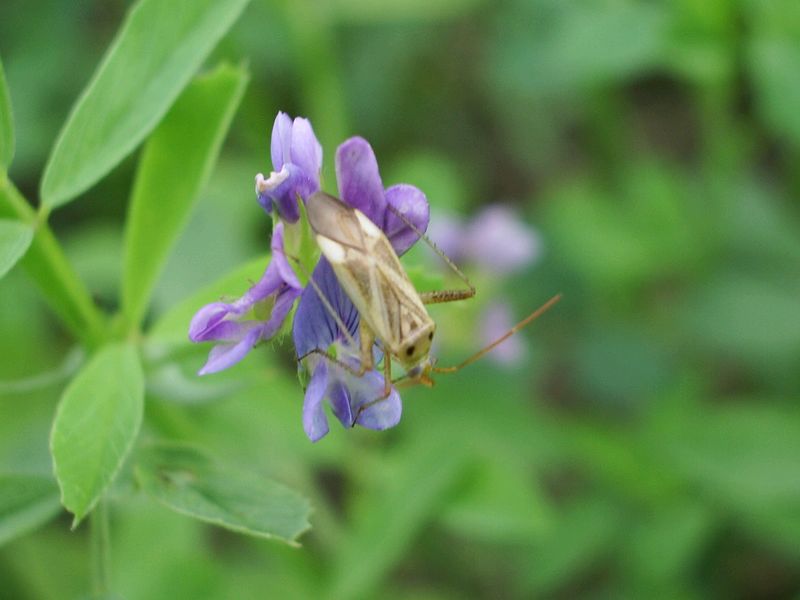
{"points": [[392, 311]]}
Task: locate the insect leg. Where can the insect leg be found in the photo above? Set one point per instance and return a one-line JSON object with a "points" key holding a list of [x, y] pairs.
{"points": [[331, 358], [367, 339], [387, 388], [439, 296], [438, 251]]}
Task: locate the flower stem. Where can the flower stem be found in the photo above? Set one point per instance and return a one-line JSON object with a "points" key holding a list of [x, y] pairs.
{"points": [[48, 266], [100, 550]]}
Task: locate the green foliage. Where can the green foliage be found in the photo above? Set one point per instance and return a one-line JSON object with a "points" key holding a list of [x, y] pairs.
{"points": [[6, 123], [15, 238], [192, 484], [26, 502], [173, 169], [646, 444], [96, 424], [156, 52], [389, 523], [773, 52], [364, 11]]}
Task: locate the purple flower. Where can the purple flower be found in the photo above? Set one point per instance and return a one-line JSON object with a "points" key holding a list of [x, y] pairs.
{"points": [[296, 160], [497, 319], [497, 242], [315, 328], [495, 239], [234, 325]]}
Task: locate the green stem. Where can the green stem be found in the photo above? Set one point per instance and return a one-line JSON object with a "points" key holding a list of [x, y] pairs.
{"points": [[48, 266], [100, 550], [315, 55]]}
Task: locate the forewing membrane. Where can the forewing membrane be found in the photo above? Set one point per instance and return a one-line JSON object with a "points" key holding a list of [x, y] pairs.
{"points": [[368, 269]]}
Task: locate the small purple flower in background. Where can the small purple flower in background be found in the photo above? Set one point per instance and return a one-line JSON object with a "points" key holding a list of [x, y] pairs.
{"points": [[498, 243], [314, 328], [235, 326], [495, 240], [496, 319], [297, 161]]}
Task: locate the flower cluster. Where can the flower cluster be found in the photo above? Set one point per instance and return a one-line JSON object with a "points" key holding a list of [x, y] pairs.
{"points": [[258, 315]]}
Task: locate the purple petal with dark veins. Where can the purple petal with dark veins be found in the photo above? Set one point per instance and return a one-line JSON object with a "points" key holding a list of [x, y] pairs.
{"points": [[313, 326]]}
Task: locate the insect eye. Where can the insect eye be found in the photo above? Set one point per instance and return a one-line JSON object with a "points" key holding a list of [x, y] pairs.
{"points": [[409, 350], [430, 336]]}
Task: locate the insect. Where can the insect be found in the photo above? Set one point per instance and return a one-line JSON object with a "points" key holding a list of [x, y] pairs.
{"points": [[392, 311]]}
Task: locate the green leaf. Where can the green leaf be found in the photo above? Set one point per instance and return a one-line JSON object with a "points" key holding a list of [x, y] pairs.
{"points": [[498, 504], [586, 530], [15, 239], [772, 55], [156, 52], [387, 525], [551, 46], [26, 502], [366, 11], [191, 483], [664, 544], [173, 169], [173, 326], [6, 123], [745, 455], [96, 423]]}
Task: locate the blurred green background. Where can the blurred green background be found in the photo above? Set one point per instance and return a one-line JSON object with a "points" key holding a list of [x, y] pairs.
{"points": [[650, 444]]}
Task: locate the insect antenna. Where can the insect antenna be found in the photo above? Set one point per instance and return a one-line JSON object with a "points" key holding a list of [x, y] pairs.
{"points": [[480, 353], [422, 235]]}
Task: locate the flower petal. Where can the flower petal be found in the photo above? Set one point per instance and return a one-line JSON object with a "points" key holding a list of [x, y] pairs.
{"points": [[306, 151], [313, 326], [360, 183], [206, 319], [269, 283], [500, 242], [283, 306], [223, 356], [450, 235], [496, 320], [339, 398], [283, 192], [315, 423], [281, 141], [383, 412], [285, 270], [413, 205]]}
